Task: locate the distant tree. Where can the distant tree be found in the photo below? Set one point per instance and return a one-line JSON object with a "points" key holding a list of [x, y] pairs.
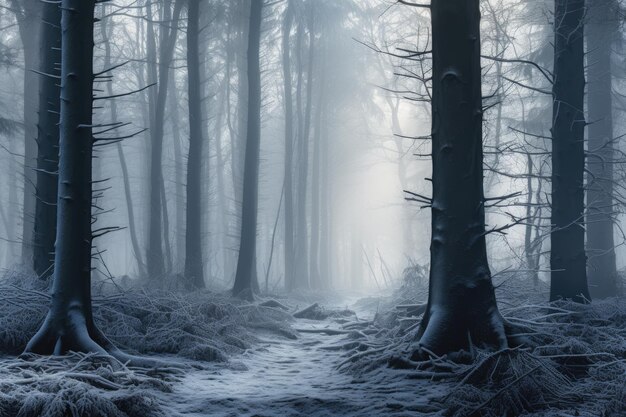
{"points": [[318, 280], [601, 33], [28, 15], [246, 282], [289, 136], [461, 303], [69, 325], [567, 256], [159, 74], [302, 261], [106, 29], [47, 140], [194, 274]]}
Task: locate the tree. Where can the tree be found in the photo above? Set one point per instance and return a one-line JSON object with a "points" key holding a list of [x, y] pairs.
{"points": [[106, 29], [246, 282], [461, 301], [47, 140], [28, 15], [301, 273], [69, 325], [168, 33], [567, 256], [601, 29], [194, 274], [318, 281], [288, 164]]}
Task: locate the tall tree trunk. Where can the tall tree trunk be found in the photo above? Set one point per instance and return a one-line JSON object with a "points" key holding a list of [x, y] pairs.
{"points": [[231, 237], [222, 215], [28, 15], [529, 243], [69, 325], [47, 140], [461, 301], [154, 256], [314, 262], [246, 282], [194, 273], [288, 97], [302, 230], [567, 256], [238, 145], [107, 33], [326, 247], [601, 33], [179, 167]]}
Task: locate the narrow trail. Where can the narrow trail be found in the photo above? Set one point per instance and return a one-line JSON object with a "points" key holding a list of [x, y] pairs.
{"points": [[282, 377]]}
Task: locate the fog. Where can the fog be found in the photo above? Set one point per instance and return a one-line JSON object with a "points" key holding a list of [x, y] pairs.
{"points": [[312, 207]]}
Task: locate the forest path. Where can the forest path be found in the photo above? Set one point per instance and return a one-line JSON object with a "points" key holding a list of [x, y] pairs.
{"points": [[283, 377]]}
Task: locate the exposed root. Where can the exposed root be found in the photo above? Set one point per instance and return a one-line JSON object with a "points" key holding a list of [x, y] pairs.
{"points": [[574, 359], [200, 326]]}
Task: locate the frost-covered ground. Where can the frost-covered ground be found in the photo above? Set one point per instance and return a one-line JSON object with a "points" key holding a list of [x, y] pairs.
{"points": [[281, 377], [291, 357]]}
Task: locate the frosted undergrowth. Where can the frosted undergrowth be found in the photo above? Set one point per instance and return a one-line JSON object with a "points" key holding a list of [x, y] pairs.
{"points": [[575, 361], [80, 385], [192, 332], [201, 326]]}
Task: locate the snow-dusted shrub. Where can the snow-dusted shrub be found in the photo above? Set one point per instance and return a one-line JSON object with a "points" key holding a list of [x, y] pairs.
{"points": [[79, 385], [575, 358], [202, 325]]}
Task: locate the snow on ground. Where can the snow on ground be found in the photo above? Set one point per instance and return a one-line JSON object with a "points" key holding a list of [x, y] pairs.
{"points": [[291, 357], [281, 377]]}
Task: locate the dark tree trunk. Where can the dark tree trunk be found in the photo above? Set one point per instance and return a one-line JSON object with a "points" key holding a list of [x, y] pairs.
{"points": [[154, 256], [246, 282], [601, 31], [194, 274], [461, 303], [69, 325], [47, 140], [567, 256], [288, 91]]}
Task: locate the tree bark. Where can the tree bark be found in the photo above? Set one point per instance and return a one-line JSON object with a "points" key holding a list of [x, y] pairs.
{"points": [[567, 256], [69, 325], [601, 32], [47, 140], [194, 273], [462, 306], [246, 283]]}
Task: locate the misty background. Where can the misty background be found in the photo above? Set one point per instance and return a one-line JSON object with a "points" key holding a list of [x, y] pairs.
{"points": [[372, 136]]}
